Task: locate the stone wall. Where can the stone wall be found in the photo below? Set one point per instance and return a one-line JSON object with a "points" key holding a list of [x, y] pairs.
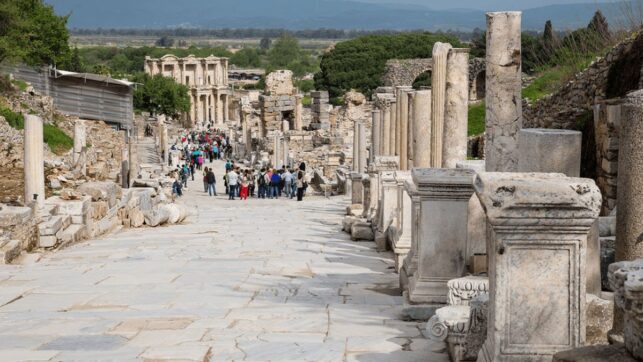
{"points": [[564, 108], [400, 72]]}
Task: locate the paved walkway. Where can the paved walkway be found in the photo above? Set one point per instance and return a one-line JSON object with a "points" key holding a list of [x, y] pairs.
{"points": [[256, 280]]}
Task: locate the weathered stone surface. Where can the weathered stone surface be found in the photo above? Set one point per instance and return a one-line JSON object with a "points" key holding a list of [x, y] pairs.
{"points": [[454, 143], [503, 87], [626, 280], [539, 223], [102, 191], [549, 150], [599, 313], [610, 353]]}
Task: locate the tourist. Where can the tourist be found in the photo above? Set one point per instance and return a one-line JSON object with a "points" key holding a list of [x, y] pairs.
{"points": [[275, 180], [251, 183], [293, 185], [233, 179], [261, 181], [300, 185], [286, 177], [243, 182], [185, 171], [177, 188], [205, 179], [212, 181]]}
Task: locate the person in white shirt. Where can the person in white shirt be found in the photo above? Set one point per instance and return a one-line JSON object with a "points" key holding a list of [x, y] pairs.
{"points": [[233, 183], [287, 177]]}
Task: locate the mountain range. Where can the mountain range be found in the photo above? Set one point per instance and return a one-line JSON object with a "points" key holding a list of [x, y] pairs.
{"points": [[313, 14]]}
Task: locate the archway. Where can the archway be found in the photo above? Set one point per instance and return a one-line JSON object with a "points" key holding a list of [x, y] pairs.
{"points": [[423, 80]]}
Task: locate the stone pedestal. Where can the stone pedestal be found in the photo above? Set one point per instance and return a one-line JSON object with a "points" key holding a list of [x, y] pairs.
{"points": [[537, 230], [387, 207], [477, 224], [400, 232], [422, 128], [438, 87], [34, 166], [454, 140], [381, 163], [549, 151], [440, 238], [503, 98]]}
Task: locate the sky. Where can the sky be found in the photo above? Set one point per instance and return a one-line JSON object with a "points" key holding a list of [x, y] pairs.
{"points": [[486, 4]]}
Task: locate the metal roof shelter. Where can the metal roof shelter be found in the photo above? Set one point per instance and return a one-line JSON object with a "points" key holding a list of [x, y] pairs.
{"points": [[84, 95]]}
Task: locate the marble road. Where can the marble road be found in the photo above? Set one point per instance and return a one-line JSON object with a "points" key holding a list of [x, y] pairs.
{"points": [[256, 280]]}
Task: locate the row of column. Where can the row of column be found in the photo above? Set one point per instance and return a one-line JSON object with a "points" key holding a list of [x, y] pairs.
{"points": [[281, 150], [428, 127], [204, 109]]}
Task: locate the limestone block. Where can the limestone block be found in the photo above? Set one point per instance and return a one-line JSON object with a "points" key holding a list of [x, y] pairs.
{"points": [[71, 207], [48, 241], [538, 224], [99, 209], [156, 217], [73, 233], [549, 150], [599, 315], [362, 231], [102, 191], [51, 226], [136, 217], [10, 250], [13, 215], [626, 279], [347, 223]]}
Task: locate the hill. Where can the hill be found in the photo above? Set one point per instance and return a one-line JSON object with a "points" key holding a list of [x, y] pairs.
{"points": [[310, 14]]}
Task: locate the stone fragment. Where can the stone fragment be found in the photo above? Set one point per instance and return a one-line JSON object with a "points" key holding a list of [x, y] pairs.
{"points": [[549, 150]]}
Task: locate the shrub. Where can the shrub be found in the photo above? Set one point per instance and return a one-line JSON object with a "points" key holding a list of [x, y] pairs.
{"points": [[59, 142], [476, 119], [15, 120]]}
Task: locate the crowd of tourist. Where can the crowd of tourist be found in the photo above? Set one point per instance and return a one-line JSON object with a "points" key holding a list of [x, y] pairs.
{"points": [[197, 148]]}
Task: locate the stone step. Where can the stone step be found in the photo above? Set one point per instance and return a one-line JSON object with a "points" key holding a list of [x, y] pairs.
{"points": [[51, 226], [73, 234], [10, 251]]}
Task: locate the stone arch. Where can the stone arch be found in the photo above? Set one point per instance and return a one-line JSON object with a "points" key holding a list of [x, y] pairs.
{"points": [[403, 72], [477, 79], [422, 80]]}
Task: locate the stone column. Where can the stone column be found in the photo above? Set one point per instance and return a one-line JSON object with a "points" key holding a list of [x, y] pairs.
{"points": [[386, 129], [410, 137], [80, 138], [299, 110], [440, 240], [34, 160], [403, 122], [629, 215], [219, 112], [286, 151], [438, 88], [197, 110], [226, 108], [504, 84], [375, 135], [456, 116], [391, 136], [275, 153], [549, 151], [361, 153], [422, 118], [355, 167], [166, 148], [537, 229]]}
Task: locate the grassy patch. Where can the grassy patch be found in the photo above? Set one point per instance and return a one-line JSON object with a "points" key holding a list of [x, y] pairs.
{"points": [[15, 120], [476, 119], [22, 85], [546, 83], [59, 142], [306, 101]]}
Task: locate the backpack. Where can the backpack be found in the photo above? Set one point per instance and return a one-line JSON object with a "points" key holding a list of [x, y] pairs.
{"points": [[262, 179]]}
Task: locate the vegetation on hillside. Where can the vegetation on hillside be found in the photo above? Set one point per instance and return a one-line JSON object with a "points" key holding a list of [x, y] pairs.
{"points": [[30, 32], [59, 142], [360, 63]]}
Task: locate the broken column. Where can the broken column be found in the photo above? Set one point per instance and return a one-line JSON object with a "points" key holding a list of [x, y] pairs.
{"points": [[375, 135], [80, 139], [537, 229], [503, 99], [439, 240], [410, 136], [422, 128], [456, 113], [299, 111], [438, 88], [549, 151], [355, 167], [34, 160]]}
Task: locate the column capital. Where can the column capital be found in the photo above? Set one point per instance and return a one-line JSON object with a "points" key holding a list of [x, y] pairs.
{"points": [[444, 184]]}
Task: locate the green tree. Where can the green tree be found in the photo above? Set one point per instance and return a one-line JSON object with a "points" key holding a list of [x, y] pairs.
{"points": [[599, 25], [161, 95], [246, 57], [32, 33], [284, 51], [549, 38], [75, 63], [360, 63]]}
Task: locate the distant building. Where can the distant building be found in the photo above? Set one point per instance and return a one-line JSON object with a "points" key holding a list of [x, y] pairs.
{"points": [[207, 79], [83, 95]]}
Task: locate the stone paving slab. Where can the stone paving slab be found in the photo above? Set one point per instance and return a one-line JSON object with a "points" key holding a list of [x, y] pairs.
{"points": [[256, 280]]}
